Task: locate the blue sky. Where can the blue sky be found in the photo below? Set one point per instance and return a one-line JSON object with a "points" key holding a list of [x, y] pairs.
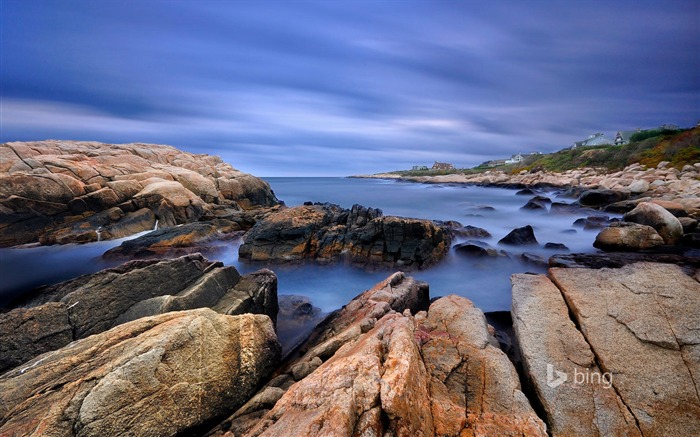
{"points": [[282, 88]]}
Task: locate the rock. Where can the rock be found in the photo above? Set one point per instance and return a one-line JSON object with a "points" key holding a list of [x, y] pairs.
{"points": [[324, 233], [534, 259], [296, 318], [648, 311], [689, 224], [688, 261], [471, 249], [597, 198], [563, 208], [174, 241], [691, 240], [556, 246], [525, 192], [520, 237], [160, 375], [638, 187], [662, 164], [437, 374], [554, 353], [658, 218], [593, 222], [626, 236], [58, 197], [534, 205], [94, 303], [471, 232]]}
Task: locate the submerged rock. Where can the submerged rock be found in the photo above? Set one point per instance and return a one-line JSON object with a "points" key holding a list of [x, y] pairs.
{"points": [[159, 376], [520, 237], [596, 198], [325, 232], [94, 303]]}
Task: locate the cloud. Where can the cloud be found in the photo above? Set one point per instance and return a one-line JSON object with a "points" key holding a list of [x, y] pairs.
{"points": [[354, 87]]}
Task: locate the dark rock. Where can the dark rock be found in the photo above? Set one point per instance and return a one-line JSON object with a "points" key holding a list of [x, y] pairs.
{"points": [[94, 303], [597, 198], [569, 231], [593, 222], [563, 208], [534, 205], [534, 259], [520, 237], [689, 224], [484, 208], [470, 249], [296, 319], [525, 192], [688, 259], [691, 240], [556, 246], [471, 232], [325, 232]]}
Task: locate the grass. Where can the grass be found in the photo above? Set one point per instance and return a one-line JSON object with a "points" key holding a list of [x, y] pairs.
{"points": [[680, 148]]}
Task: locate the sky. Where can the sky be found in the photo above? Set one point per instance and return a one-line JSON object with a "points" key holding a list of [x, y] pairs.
{"points": [[334, 88]]}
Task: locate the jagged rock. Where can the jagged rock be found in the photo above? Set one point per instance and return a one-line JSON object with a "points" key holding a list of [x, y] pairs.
{"points": [[436, 374], [520, 237], [159, 376], [324, 232], [56, 189], [626, 236], [642, 323], [657, 217], [555, 356], [596, 198], [91, 304]]}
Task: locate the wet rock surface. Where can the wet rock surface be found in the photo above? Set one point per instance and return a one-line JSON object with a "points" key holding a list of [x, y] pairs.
{"points": [[524, 236], [160, 376], [54, 316], [57, 192], [325, 233]]}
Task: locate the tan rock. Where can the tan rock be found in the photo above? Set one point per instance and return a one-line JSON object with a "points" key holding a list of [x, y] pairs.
{"points": [[155, 376], [647, 213], [552, 349], [624, 236], [642, 322]]}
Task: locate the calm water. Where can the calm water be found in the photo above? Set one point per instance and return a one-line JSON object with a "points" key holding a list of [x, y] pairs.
{"points": [[485, 281]]}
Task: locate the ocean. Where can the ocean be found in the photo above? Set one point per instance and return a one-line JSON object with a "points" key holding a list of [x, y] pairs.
{"points": [[486, 281]]}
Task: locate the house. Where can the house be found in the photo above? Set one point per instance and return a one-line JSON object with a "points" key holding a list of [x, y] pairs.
{"points": [[597, 139], [623, 136], [515, 159], [493, 163], [419, 168], [442, 166]]}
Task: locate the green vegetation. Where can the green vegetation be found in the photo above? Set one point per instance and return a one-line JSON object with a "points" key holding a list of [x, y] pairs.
{"points": [[648, 148], [681, 147]]}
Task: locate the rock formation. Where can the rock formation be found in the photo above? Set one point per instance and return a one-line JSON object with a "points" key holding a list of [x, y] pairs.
{"points": [[374, 370], [524, 236], [156, 376], [325, 232], [73, 191], [629, 362], [56, 315]]}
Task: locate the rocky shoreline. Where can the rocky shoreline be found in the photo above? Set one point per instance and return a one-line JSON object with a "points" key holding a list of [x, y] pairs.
{"points": [[170, 343]]}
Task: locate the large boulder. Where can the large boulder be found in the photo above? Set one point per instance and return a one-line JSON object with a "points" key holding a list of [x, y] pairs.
{"points": [[324, 233], [53, 316], [626, 236], [555, 355], [438, 373], [56, 187], [157, 376], [642, 321], [665, 223]]}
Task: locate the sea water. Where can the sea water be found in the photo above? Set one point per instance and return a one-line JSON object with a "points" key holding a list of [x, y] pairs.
{"points": [[486, 281]]}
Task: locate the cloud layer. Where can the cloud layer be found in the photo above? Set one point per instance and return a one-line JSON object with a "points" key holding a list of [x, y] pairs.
{"points": [[337, 88]]}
